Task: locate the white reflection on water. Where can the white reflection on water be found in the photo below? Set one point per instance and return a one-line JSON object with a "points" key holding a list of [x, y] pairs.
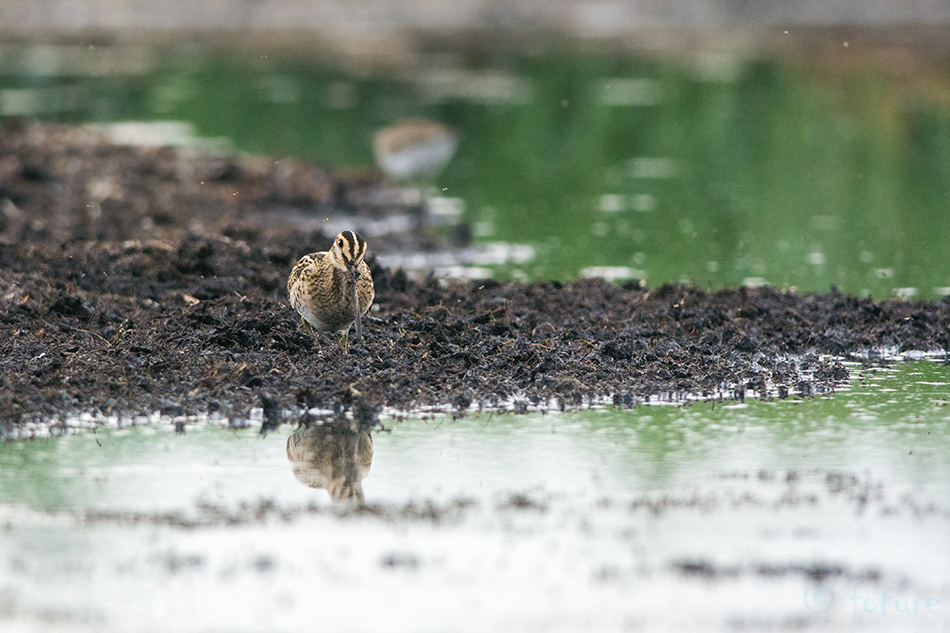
{"points": [[469, 262], [613, 273]]}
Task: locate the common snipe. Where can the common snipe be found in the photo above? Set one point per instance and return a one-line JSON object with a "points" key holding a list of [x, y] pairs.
{"points": [[332, 289]]}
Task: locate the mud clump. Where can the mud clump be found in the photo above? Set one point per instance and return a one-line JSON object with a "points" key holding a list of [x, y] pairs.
{"points": [[141, 280]]}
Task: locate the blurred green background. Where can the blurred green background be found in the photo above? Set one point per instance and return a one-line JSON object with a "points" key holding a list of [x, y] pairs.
{"points": [[735, 171]]}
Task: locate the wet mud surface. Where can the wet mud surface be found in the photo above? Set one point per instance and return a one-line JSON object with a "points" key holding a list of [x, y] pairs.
{"points": [[140, 280], [788, 489]]}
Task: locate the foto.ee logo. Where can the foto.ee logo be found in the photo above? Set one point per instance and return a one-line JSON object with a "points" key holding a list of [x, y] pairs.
{"points": [[821, 598]]}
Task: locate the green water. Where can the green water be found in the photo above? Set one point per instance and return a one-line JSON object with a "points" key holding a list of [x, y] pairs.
{"points": [[892, 422], [745, 172]]}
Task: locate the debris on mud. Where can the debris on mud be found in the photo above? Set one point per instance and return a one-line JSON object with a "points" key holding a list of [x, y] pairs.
{"points": [[140, 280]]}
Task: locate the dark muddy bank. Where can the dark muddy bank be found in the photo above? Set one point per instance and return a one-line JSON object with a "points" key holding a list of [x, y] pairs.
{"points": [[136, 280]]}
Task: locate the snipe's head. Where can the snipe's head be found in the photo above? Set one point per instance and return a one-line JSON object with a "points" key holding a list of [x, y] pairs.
{"points": [[347, 251]]}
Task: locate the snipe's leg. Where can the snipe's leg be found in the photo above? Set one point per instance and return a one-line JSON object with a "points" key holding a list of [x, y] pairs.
{"points": [[345, 341]]}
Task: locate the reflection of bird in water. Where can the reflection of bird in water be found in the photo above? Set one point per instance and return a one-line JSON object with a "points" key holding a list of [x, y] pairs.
{"points": [[414, 150], [333, 289], [333, 456]]}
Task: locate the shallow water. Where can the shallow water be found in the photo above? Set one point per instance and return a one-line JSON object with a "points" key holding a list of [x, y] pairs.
{"points": [[715, 517]]}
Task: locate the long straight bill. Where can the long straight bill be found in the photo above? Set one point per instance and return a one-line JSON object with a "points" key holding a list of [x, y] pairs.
{"points": [[357, 317]]}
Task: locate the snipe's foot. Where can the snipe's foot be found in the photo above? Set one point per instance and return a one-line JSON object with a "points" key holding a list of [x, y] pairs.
{"points": [[307, 328]]}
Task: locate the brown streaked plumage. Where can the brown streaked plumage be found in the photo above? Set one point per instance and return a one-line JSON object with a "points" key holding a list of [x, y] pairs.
{"points": [[332, 289]]}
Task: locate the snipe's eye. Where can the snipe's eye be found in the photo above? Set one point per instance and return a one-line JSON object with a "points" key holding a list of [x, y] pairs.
{"points": [[340, 243]]}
